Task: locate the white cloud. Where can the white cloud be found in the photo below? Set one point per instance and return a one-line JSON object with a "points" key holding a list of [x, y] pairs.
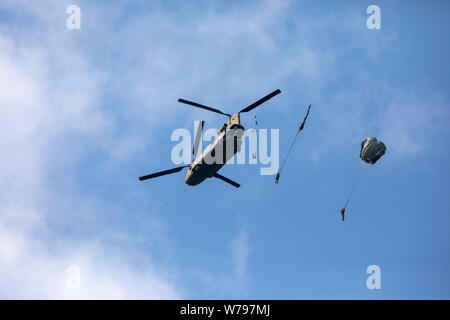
{"points": [[49, 100], [412, 120], [240, 249], [227, 285], [33, 269]]}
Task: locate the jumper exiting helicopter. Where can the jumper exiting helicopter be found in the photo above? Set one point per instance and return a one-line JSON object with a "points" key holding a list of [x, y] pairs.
{"points": [[229, 135]]}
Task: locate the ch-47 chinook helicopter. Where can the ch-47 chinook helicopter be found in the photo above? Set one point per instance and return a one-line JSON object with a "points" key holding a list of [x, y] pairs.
{"points": [[229, 135]]}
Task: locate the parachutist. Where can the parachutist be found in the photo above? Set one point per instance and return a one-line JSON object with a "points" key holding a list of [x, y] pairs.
{"points": [[343, 213], [277, 178], [304, 120]]}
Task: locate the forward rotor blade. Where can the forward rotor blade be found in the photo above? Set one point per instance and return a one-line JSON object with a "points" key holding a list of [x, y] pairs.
{"points": [[198, 136], [260, 101], [198, 105], [235, 184], [161, 173]]}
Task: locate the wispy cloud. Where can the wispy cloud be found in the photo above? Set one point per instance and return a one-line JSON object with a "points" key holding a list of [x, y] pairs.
{"points": [[30, 268], [240, 249], [51, 113]]}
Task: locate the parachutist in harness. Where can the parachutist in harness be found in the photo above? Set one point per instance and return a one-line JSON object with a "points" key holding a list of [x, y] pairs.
{"points": [[277, 177], [304, 120], [343, 213]]}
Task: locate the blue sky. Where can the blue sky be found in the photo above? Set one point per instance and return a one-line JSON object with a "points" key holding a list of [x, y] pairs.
{"points": [[85, 112]]}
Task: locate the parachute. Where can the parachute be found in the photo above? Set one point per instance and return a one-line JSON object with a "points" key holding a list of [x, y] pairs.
{"points": [[372, 150]]}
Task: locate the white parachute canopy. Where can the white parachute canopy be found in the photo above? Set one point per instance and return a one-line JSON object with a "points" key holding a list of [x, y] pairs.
{"points": [[372, 149]]}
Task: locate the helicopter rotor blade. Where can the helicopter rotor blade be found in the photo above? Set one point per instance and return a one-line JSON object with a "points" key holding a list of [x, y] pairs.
{"points": [[161, 173], [234, 184], [198, 105], [198, 136], [261, 101]]}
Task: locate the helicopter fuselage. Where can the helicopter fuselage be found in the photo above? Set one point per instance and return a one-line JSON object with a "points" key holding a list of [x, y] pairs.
{"points": [[218, 153]]}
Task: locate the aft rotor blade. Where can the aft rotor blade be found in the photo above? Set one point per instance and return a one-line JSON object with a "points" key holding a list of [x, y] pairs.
{"points": [[198, 136], [235, 184], [161, 173], [261, 101], [198, 105]]}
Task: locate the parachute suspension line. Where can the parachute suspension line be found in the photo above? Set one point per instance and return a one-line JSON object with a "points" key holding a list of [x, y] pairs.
{"points": [[285, 158], [353, 188], [277, 177]]}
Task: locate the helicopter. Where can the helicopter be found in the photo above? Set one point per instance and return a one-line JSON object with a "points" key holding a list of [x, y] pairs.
{"points": [[229, 136]]}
